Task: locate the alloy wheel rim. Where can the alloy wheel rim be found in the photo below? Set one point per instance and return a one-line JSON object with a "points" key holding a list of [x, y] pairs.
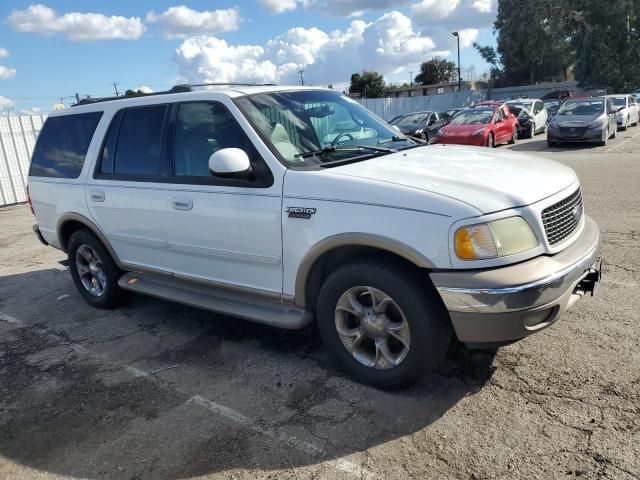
{"points": [[372, 327], [90, 270]]}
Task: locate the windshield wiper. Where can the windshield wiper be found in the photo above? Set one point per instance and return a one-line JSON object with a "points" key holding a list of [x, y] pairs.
{"points": [[395, 138], [338, 148]]}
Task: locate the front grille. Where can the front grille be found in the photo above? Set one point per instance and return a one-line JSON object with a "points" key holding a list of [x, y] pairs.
{"points": [[572, 132], [562, 218]]}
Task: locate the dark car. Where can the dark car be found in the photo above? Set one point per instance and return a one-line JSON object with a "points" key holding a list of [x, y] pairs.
{"points": [[552, 105], [449, 114], [557, 95], [422, 125], [524, 125], [583, 120]]}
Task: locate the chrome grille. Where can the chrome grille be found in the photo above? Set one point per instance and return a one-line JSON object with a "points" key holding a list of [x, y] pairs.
{"points": [[562, 218]]}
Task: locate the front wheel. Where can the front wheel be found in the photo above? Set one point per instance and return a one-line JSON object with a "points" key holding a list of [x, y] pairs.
{"points": [[490, 141], [381, 325]]}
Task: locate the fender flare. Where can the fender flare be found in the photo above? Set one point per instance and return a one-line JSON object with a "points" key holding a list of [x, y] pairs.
{"points": [[352, 240], [91, 226]]}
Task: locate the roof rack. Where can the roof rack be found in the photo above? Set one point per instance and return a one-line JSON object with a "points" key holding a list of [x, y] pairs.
{"points": [[182, 88]]}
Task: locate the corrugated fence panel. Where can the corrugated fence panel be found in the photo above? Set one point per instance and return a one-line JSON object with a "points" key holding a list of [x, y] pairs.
{"points": [[17, 138], [388, 108]]}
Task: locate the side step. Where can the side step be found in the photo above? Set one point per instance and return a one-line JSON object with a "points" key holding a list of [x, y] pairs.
{"points": [[270, 312]]}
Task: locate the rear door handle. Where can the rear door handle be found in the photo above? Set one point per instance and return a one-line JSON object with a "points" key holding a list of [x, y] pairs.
{"points": [[182, 203], [96, 195]]}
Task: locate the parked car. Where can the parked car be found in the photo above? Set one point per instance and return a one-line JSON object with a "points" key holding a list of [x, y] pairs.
{"points": [[422, 125], [557, 95], [552, 106], [237, 201], [449, 114], [535, 110], [525, 122], [583, 120], [627, 110], [483, 126]]}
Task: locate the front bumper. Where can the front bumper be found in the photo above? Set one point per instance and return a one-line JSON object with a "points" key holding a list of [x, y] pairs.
{"points": [[591, 135], [501, 305]]}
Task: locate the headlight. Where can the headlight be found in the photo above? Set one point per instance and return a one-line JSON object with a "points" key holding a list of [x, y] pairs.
{"points": [[598, 123], [499, 238], [478, 132]]}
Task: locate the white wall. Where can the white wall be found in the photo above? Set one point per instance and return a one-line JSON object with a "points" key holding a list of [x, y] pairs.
{"points": [[17, 138]]}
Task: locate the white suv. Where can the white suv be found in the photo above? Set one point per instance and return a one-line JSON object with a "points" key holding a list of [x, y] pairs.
{"points": [[244, 200]]}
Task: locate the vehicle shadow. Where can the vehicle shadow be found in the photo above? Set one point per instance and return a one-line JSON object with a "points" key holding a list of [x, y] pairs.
{"points": [[110, 394], [539, 144]]}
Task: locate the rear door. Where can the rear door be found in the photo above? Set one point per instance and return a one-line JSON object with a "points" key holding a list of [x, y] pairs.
{"points": [[126, 195]]}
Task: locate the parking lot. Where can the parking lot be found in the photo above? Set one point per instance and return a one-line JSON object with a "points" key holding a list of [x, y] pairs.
{"points": [[158, 390]]}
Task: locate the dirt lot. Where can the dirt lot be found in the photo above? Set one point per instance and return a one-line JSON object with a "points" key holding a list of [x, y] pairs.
{"points": [[157, 390]]}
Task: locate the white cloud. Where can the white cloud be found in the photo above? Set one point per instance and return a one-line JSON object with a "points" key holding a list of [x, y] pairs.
{"points": [[182, 22], [275, 7], [351, 7], [454, 14], [7, 73], [468, 36], [144, 89], [386, 45], [5, 102], [31, 111], [4, 52], [78, 27]]}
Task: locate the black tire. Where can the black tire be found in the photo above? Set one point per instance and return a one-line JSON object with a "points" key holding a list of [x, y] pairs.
{"points": [[551, 143], [427, 319], [514, 136], [491, 141], [111, 294], [532, 130]]}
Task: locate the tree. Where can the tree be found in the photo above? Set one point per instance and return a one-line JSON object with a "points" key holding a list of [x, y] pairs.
{"points": [[436, 70], [368, 84], [490, 56], [133, 93]]}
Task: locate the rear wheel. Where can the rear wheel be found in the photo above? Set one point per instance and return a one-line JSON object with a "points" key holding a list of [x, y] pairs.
{"points": [[490, 141], [514, 136], [532, 132], [94, 272], [382, 326]]}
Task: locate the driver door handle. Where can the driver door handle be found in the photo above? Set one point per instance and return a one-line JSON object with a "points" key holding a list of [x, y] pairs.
{"points": [[182, 203]]}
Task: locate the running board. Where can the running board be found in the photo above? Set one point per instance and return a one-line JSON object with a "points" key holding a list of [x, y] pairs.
{"points": [[241, 305]]}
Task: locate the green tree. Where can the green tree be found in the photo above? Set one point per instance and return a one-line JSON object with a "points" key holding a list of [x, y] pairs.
{"points": [[490, 55], [436, 70], [368, 84], [606, 38]]}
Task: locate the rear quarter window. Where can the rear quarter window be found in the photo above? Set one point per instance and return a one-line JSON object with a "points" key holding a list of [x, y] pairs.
{"points": [[62, 145]]}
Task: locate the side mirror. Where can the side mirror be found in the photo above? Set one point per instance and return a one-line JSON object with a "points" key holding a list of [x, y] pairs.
{"points": [[498, 120], [230, 163]]}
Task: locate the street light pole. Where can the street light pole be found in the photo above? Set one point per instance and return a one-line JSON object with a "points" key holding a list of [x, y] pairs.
{"points": [[457, 35]]}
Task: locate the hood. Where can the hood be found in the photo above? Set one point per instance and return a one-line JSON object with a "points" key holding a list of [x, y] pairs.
{"points": [[575, 120], [461, 129], [488, 180]]}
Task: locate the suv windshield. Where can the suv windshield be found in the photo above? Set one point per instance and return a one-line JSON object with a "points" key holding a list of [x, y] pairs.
{"points": [[298, 122], [582, 107], [473, 117]]}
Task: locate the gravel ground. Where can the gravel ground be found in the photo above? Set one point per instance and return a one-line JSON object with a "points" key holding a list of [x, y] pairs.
{"points": [[156, 390]]}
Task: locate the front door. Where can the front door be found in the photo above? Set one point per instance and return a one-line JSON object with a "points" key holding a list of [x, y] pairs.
{"points": [[223, 230]]}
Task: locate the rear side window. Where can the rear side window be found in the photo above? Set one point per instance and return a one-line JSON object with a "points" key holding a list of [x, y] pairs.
{"points": [[139, 147], [62, 145]]}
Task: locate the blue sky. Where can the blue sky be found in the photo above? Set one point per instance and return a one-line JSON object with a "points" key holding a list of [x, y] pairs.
{"points": [[60, 47]]}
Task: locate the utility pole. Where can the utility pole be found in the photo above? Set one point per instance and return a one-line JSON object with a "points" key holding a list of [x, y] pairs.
{"points": [[301, 72], [115, 87], [77, 98], [411, 78], [457, 35]]}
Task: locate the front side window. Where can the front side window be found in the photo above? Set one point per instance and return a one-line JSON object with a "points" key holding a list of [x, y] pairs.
{"points": [[63, 144], [203, 128], [299, 123], [139, 147]]}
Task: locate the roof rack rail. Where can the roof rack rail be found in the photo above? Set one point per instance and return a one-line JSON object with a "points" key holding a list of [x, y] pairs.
{"points": [[174, 89], [181, 88]]}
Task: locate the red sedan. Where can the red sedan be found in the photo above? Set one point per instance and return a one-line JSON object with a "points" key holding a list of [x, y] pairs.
{"points": [[484, 126]]}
